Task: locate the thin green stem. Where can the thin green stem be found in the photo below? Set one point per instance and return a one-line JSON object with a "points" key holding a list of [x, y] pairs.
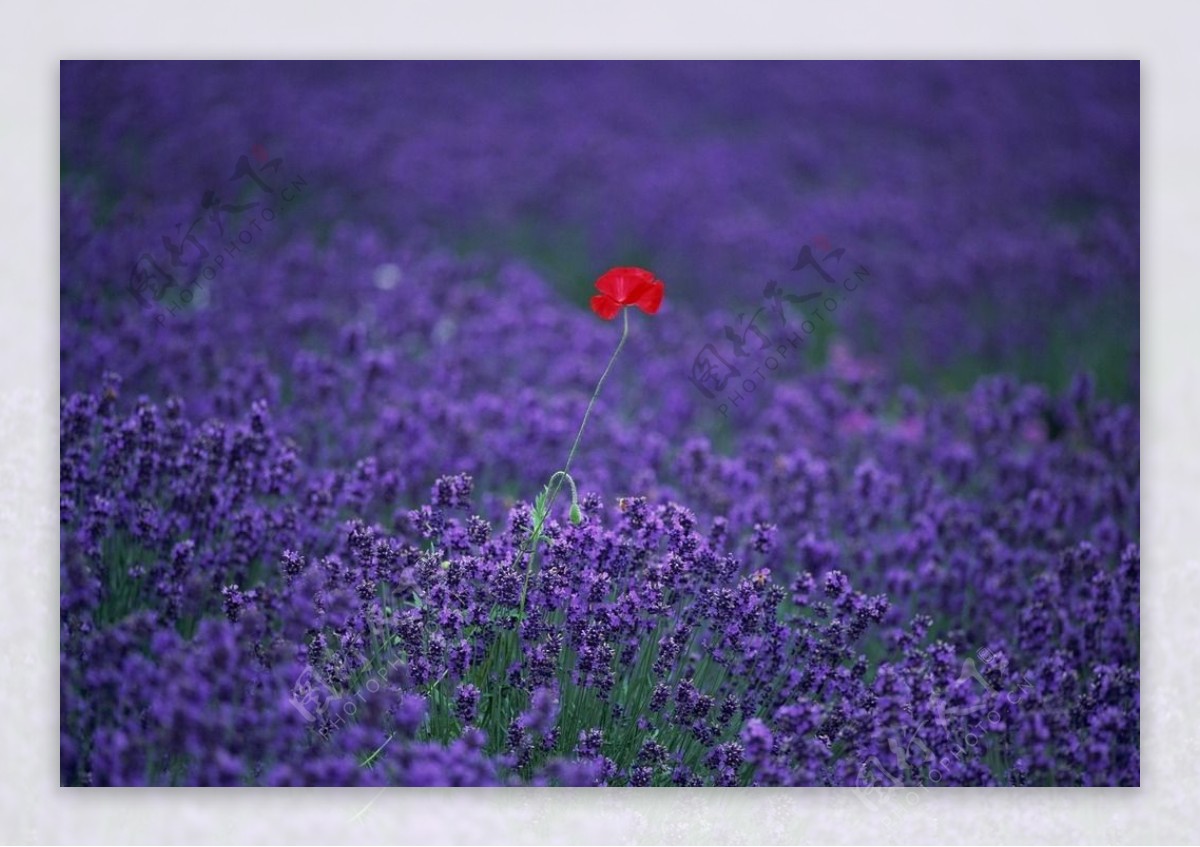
{"points": [[535, 535], [595, 394]]}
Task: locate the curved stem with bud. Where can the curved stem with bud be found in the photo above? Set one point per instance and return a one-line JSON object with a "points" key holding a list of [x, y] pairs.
{"points": [[545, 500]]}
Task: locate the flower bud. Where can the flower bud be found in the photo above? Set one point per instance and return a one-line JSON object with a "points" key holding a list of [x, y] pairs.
{"points": [[576, 515]]}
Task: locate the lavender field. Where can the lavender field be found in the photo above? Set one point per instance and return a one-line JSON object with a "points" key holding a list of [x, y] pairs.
{"points": [[856, 504]]}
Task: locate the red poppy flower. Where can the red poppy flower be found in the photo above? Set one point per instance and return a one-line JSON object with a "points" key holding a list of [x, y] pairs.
{"points": [[622, 287]]}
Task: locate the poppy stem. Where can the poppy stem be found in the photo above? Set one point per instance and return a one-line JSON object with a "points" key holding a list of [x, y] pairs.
{"points": [[556, 481], [595, 394], [561, 475]]}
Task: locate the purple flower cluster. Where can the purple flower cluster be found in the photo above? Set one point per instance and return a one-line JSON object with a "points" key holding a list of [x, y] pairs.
{"points": [[292, 519], [733, 642]]}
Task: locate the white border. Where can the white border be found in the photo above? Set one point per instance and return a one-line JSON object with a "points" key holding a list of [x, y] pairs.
{"points": [[32, 806]]}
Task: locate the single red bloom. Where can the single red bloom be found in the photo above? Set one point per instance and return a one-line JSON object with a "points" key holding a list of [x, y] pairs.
{"points": [[622, 287]]}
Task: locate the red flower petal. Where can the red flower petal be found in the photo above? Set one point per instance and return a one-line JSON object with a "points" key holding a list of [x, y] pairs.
{"points": [[624, 285], [605, 306], [651, 298]]}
